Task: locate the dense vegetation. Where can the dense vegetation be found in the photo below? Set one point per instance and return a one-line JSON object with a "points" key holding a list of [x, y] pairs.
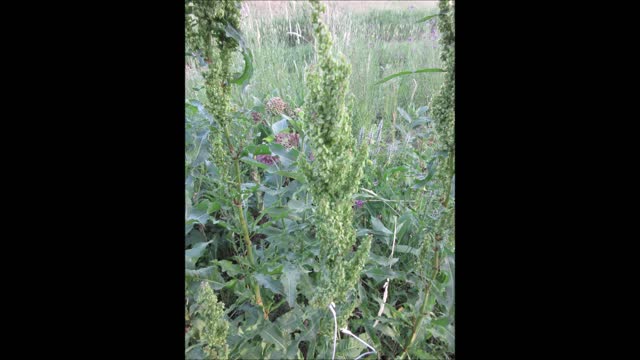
{"points": [[310, 190]]}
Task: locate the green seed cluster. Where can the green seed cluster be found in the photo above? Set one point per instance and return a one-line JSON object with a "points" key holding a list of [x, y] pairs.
{"points": [[214, 333], [442, 106], [206, 22], [335, 173], [443, 112]]}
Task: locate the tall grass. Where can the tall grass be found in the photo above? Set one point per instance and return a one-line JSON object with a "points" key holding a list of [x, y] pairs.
{"points": [[376, 42]]}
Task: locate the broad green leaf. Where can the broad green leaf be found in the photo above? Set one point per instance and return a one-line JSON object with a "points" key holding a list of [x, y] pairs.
{"points": [[291, 321], [277, 212], [261, 149], [194, 353], [405, 115], [199, 213], [394, 170], [378, 227], [201, 273], [253, 162], [243, 78], [314, 317], [249, 187], [268, 282], [444, 333], [194, 237], [289, 279], [349, 347], [293, 352], [373, 335], [195, 113], [248, 351], [405, 249], [290, 174], [192, 255], [390, 332], [273, 192], [297, 205], [272, 334], [277, 355], [269, 231], [408, 73], [363, 232], [275, 269], [418, 122], [190, 110], [213, 207], [405, 224], [427, 18], [443, 321], [380, 273], [202, 147], [230, 268], [382, 260], [282, 152], [211, 275], [287, 157], [277, 127]]}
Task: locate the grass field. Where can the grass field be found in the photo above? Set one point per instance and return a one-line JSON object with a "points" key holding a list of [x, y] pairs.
{"points": [[379, 38]]}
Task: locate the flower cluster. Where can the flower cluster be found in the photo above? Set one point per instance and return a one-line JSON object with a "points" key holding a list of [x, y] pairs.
{"points": [[256, 117], [267, 159], [288, 140], [276, 106]]}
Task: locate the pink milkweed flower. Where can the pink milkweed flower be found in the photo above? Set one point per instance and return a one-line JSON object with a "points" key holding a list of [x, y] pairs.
{"points": [[288, 140], [267, 159]]}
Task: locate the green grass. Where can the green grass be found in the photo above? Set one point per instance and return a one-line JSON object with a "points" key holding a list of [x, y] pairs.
{"points": [[377, 43]]}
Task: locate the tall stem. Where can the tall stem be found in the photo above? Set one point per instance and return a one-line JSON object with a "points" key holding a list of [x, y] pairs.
{"points": [[423, 308], [243, 221], [436, 270]]}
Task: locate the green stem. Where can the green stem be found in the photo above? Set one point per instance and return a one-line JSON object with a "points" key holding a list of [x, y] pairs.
{"points": [[243, 221], [259, 203], [450, 177], [238, 201], [423, 308]]}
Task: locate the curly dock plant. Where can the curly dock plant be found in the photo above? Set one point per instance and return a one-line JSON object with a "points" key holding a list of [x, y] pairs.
{"points": [[334, 175], [212, 31], [443, 113]]}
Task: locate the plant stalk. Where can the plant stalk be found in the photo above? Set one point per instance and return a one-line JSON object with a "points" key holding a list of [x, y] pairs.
{"points": [[423, 308], [243, 221]]}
